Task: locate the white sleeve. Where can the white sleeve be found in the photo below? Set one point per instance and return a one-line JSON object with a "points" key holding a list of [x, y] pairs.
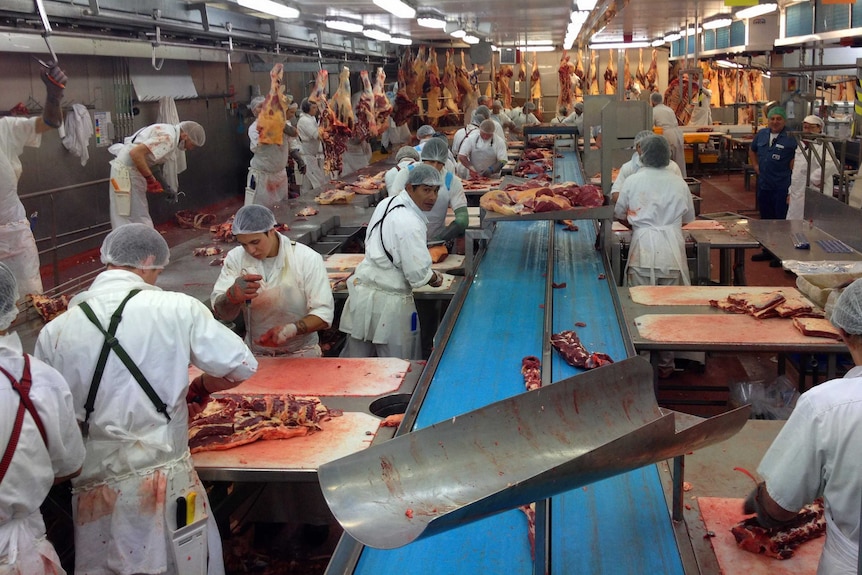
{"points": [[230, 270], [318, 292], [53, 401], [253, 137], [500, 149], [215, 349], [457, 199], [399, 181]]}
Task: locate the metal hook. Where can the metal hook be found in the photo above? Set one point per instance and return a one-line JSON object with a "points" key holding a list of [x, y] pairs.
{"points": [[156, 41]]}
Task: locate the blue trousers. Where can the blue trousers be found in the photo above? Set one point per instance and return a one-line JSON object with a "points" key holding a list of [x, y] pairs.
{"points": [[772, 202]]}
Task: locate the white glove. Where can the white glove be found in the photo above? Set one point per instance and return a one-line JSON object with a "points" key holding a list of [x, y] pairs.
{"points": [[278, 336]]}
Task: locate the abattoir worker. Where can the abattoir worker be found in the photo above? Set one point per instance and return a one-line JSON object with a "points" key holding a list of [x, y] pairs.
{"points": [[380, 315], [483, 153]]}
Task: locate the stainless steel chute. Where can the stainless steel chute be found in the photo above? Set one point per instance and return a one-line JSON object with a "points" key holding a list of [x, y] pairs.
{"points": [[523, 449]]}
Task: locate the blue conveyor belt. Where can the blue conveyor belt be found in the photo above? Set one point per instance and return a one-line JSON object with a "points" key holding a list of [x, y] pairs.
{"points": [[568, 168]]}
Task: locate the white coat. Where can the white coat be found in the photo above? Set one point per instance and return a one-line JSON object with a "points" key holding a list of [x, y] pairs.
{"points": [[311, 150], [395, 136], [702, 113], [135, 458], [392, 173], [798, 179], [665, 118], [380, 307], [483, 153], [31, 473], [294, 285], [631, 167], [162, 140], [448, 196], [656, 202], [356, 156], [17, 245], [816, 453], [268, 169], [458, 139]]}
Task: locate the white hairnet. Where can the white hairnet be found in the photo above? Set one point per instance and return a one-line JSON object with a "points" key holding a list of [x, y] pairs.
{"points": [[8, 297], [847, 313], [194, 131], [812, 119], [435, 150], [655, 152], [497, 104], [253, 219], [406, 152], [424, 175], [425, 131], [529, 107], [488, 126], [136, 246], [643, 134], [255, 104], [483, 111], [579, 106]]}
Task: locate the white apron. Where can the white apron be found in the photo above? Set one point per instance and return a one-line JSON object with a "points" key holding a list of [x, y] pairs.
{"points": [[483, 158], [666, 248], [270, 188], [19, 252], [839, 555], [28, 534]]}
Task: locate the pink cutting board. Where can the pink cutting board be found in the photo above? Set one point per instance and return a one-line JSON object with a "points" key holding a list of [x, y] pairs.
{"points": [[323, 376], [698, 295], [720, 514], [339, 437], [723, 328]]}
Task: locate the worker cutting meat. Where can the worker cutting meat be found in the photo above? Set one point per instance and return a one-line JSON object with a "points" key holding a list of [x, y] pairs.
{"points": [[483, 153], [312, 149], [267, 173], [821, 176], [132, 174], [633, 165], [816, 453], [380, 315], [665, 118], [46, 449], [133, 400], [17, 244], [450, 195], [405, 157], [282, 287]]}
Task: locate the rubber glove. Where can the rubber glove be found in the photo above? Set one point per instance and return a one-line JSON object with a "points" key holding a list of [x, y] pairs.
{"points": [[153, 185], [278, 336], [243, 289], [197, 396]]}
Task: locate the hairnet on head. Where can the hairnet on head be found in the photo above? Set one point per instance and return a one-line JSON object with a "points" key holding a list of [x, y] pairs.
{"points": [[812, 119], [8, 297], [194, 131], [488, 126], [136, 246], [435, 150], [406, 152], [425, 131], [255, 104], [483, 111], [253, 219], [656, 98], [643, 134], [655, 152], [847, 313], [579, 106], [563, 111], [529, 107], [423, 175]]}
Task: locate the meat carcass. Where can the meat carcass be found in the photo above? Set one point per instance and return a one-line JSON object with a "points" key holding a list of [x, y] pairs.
{"points": [[504, 91], [581, 77], [610, 75], [574, 352], [535, 81], [382, 105], [366, 122], [594, 73], [652, 73], [640, 74], [435, 89], [451, 95], [333, 132], [417, 81], [781, 542], [467, 95], [627, 72], [270, 121], [678, 98], [565, 73], [341, 99], [522, 71]]}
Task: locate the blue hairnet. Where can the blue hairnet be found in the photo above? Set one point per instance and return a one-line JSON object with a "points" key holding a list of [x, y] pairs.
{"points": [[253, 219], [194, 131], [655, 151], [406, 152], [8, 296], [425, 131], [424, 175], [136, 246], [435, 150], [847, 313]]}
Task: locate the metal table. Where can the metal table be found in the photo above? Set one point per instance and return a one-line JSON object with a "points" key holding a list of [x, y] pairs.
{"points": [[731, 243], [775, 236]]}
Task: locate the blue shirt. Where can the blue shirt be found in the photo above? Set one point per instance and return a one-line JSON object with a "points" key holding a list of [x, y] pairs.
{"points": [[774, 160]]}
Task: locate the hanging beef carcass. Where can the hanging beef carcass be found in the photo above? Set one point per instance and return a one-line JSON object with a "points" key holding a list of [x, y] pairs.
{"points": [[594, 73], [652, 73], [580, 77], [640, 74], [340, 102], [628, 79], [610, 75], [382, 105], [468, 96], [522, 70], [504, 91], [566, 73], [535, 81], [366, 123], [405, 106], [435, 89], [333, 133], [417, 80], [450, 85], [270, 121], [678, 97]]}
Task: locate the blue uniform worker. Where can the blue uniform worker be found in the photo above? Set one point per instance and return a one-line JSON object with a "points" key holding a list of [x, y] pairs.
{"points": [[771, 155]]}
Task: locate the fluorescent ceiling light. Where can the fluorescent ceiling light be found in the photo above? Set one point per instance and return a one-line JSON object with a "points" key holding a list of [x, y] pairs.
{"points": [[376, 34], [270, 7], [470, 39], [343, 24], [618, 45], [580, 16], [536, 48], [586, 4], [401, 40], [430, 19], [672, 37], [568, 43], [718, 22], [692, 31], [755, 11], [727, 64], [657, 42], [459, 33], [494, 48], [536, 43], [397, 7]]}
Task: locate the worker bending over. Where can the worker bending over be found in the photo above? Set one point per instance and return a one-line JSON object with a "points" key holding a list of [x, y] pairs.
{"points": [[633, 165], [483, 153]]}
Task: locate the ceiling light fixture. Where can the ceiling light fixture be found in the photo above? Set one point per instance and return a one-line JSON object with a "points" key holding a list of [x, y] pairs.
{"points": [[672, 37], [718, 22], [397, 7], [458, 33], [430, 19], [657, 42], [270, 7], [580, 16], [618, 45], [401, 40], [727, 64], [470, 39], [536, 48], [586, 4], [536, 43], [376, 34], [755, 11], [343, 24], [691, 31]]}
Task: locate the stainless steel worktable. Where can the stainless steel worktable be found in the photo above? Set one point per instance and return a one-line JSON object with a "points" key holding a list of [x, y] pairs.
{"points": [[731, 243], [775, 235]]}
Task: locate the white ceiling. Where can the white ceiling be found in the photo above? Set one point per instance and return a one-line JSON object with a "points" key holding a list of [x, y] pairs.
{"points": [[505, 22]]}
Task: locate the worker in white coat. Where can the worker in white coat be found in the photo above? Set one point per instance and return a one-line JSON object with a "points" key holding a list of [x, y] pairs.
{"points": [[17, 244], [310, 146], [45, 450], [820, 178], [450, 195], [380, 315], [816, 453], [483, 153], [701, 115], [133, 406], [404, 158], [279, 285], [634, 165], [132, 175], [524, 116], [267, 172], [395, 136], [665, 118]]}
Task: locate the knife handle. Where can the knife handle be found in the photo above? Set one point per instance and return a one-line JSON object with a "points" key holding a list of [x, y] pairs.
{"points": [[182, 512]]}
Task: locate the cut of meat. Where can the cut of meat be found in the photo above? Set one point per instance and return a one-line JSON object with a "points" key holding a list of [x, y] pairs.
{"points": [[233, 420], [307, 212], [768, 304], [438, 253], [816, 327], [207, 251], [573, 351], [530, 512], [335, 196], [49, 307], [780, 542], [531, 369]]}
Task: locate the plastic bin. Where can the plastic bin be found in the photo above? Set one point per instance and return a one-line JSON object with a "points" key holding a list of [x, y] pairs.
{"points": [[693, 186]]}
